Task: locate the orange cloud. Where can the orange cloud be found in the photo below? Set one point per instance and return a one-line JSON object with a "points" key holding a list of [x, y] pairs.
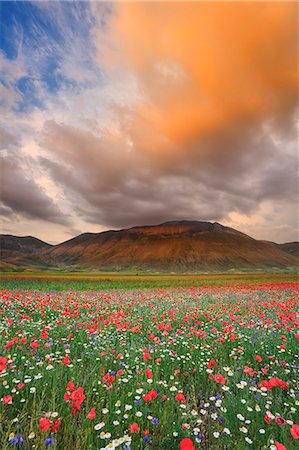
{"points": [[210, 72]]}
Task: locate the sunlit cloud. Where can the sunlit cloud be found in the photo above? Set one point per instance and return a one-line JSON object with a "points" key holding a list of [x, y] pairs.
{"points": [[137, 113]]}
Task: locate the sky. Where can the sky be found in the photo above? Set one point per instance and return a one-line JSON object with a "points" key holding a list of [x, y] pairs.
{"points": [[136, 113]]}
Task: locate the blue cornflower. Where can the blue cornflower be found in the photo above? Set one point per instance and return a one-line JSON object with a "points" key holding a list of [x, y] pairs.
{"points": [[16, 440], [49, 441], [155, 421]]}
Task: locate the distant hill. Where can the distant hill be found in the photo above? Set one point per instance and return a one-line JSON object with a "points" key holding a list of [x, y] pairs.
{"points": [[292, 248], [19, 250], [180, 246]]}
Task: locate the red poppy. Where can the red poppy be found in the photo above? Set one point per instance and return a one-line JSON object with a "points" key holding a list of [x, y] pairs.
{"points": [[55, 426], [280, 446], [7, 399], [44, 424], [70, 386], [34, 344], [220, 378], [295, 431], [280, 421], [77, 398], [180, 397], [211, 363], [3, 361], [134, 428], [186, 444], [267, 418], [66, 360], [92, 414]]}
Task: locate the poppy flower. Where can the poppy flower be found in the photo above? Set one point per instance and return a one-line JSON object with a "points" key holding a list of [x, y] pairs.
{"points": [[267, 418], [186, 444], [44, 424], [34, 345], [180, 397], [7, 399], [211, 363], [66, 360], [92, 414], [280, 446], [220, 378], [295, 431], [280, 421], [3, 361], [55, 426], [70, 386], [67, 396], [134, 428]]}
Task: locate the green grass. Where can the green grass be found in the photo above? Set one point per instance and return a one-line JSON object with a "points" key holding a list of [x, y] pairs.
{"points": [[99, 281]]}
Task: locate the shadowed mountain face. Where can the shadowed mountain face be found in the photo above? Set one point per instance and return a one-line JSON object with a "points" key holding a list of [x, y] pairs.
{"points": [[290, 247], [19, 250], [17, 246], [172, 246]]}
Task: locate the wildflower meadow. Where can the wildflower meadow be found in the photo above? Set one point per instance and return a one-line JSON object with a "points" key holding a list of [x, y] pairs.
{"points": [[161, 369]]}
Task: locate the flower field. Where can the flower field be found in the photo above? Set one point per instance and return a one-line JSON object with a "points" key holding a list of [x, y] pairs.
{"points": [[162, 369]]}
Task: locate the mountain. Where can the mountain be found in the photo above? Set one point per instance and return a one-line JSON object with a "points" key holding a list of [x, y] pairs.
{"points": [[19, 250], [180, 246], [290, 247]]}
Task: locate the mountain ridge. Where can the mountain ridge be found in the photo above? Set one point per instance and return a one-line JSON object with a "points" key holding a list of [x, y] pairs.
{"points": [[169, 246]]}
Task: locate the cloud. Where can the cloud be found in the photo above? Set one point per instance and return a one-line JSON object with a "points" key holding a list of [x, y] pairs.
{"points": [[116, 186], [239, 66], [155, 112], [21, 195]]}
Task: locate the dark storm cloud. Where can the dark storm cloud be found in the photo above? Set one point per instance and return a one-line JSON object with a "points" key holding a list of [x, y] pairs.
{"points": [[21, 195], [119, 186], [6, 212]]}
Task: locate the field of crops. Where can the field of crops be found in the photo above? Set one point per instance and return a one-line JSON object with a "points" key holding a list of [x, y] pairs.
{"points": [[161, 369], [79, 281]]}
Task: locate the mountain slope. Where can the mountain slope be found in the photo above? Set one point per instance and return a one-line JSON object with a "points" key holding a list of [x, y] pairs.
{"points": [[292, 248], [18, 250], [172, 246]]}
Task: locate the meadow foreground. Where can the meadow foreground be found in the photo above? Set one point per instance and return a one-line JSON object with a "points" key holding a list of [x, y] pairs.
{"points": [[163, 369]]}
